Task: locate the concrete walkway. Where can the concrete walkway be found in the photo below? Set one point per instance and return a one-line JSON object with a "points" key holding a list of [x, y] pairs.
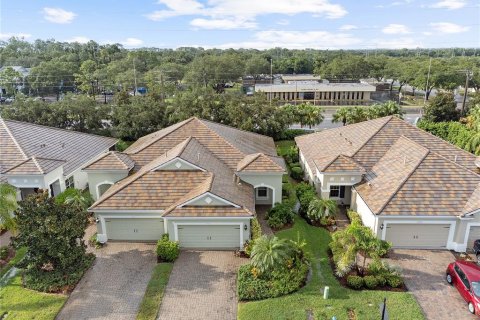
{"points": [[114, 286], [202, 285], [261, 216]]}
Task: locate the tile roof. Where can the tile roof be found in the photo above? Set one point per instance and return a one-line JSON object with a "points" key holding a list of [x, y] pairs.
{"points": [[34, 165], [408, 171], [343, 163], [112, 160], [258, 162], [22, 140]]}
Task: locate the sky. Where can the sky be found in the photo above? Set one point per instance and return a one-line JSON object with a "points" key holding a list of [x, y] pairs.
{"points": [[260, 24]]}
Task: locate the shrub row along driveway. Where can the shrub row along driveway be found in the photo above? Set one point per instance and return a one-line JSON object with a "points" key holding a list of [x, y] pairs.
{"points": [[424, 274], [202, 286], [114, 286]]}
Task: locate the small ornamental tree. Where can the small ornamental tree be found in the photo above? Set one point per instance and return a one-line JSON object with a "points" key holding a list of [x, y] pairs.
{"points": [[53, 235], [320, 209], [8, 204]]}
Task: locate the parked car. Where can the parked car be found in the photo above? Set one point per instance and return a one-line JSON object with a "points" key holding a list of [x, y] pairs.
{"points": [[465, 276], [476, 249]]}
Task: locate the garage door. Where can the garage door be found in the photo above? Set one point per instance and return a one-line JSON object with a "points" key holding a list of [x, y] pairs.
{"points": [[472, 236], [209, 236], [418, 235], [134, 229]]}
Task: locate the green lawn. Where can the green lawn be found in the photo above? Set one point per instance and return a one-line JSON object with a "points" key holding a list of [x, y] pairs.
{"points": [[154, 293], [20, 303], [19, 254], [283, 146], [401, 305]]}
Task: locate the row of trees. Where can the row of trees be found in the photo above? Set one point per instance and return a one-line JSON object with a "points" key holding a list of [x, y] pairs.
{"points": [[91, 68], [350, 115]]}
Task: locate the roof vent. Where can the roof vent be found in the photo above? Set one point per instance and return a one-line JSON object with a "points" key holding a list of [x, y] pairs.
{"points": [[455, 159], [369, 184], [43, 145]]}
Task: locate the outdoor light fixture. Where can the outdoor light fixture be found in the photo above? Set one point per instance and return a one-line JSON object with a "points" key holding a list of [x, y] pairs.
{"points": [[97, 220], [245, 227], [381, 226]]}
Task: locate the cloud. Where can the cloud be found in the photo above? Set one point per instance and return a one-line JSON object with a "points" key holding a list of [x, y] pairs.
{"points": [[448, 27], [132, 42], [449, 4], [57, 15], [79, 39], [348, 27], [294, 40], [400, 43], [395, 29], [283, 22], [8, 35], [217, 13], [224, 24]]}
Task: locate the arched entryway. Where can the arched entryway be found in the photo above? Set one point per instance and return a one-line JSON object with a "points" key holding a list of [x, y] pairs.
{"points": [[264, 195]]}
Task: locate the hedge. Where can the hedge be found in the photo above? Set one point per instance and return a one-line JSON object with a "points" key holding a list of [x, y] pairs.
{"points": [[167, 251], [290, 134]]}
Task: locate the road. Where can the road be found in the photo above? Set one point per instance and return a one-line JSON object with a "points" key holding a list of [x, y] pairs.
{"points": [[411, 115]]}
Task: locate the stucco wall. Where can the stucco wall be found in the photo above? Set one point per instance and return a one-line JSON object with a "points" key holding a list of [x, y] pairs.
{"points": [[368, 218], [463, 228], [96, 178], [202, 201], [273, 181]]}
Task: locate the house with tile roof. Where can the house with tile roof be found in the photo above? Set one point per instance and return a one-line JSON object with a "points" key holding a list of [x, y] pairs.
{"points": [[36, 157], [410, 187], [197, 180]]}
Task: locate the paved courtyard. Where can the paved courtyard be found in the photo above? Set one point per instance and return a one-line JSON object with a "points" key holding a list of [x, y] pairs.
{"points": [[202, 286], [114, 287], [424, 273]]}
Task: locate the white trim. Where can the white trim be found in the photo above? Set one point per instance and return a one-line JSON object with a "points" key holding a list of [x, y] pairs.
{"points": [[210, 195], [52, 182], [451, 232], [206, 218], [261, 197], [102, 211], [176, 224], [268, 186], [471, 213], [178, 159], [467, 234], [104, 236], [131, 217], [97, 190]]}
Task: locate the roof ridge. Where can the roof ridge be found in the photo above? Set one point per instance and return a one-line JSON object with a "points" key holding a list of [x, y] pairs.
{"points": [[165, 135], [9, 132], [17, 165], [402, 183], [232, 127], [38, 165], [118, 158], [258, 154], [455, 163], [373, 135], [53, 159]]}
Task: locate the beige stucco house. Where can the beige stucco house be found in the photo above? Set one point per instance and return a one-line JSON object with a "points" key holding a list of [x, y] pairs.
{"points": [[36, 157], [410, 187], [197, 180]]}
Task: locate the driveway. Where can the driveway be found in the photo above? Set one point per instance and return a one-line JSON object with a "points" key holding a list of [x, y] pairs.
{"points": [[424, 273], [202, 285], [114, 287]]}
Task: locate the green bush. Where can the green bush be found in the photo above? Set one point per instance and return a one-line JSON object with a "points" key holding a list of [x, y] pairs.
{"points": [[353, 215], [291, 155], [394, 281], [94, 242], [3, 252], [381, 281], [167, 250], [370, 282], [297, 173], [290, 134], [248, 246], [295, 164], [355, 282], [255, 228], [278, 283], [84, 195], [279, 215], [275, 222], [303, 188], [305, 200]]}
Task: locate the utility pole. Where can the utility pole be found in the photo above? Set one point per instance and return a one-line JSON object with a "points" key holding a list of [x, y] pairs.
{"points": [[426, 86], [271, 80], [135, 77], [468, 74]]}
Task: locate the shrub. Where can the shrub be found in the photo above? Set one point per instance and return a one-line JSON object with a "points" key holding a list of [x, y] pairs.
{"points": [[290, 134], [279, 215], [167, 250], [381, 281], [84, 196], [370, 282], [255, 228], [303, 188], [275, 223], [394, 281], [94, 242], [291, 155], [353, 215], [296, 173], [355, 282], [248, 246], [3, 252], [305, 201], [295, 164]]}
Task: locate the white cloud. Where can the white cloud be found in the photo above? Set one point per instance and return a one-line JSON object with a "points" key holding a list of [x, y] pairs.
{"points": [[246, 11], [224, 24], [348, 27], [294, 40], [400, 43], [395, 29], [132, 42], [450, 4], [58, 15], [283, 22], [79, 39], [448, 27], [8, 35]]}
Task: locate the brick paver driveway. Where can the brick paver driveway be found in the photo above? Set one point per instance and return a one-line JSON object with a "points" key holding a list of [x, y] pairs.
{"points": [[114, 287], [424, 273], [202, 286]]}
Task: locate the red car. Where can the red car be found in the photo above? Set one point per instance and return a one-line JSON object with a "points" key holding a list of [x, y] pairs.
{"points": [[465, 276]]}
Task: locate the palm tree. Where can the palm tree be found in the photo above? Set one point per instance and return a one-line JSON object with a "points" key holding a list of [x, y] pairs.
{"points": [[78, 200], [8, 204], [321, 208], [357, 114], [341, 115], [270, 252], [473, 144]]}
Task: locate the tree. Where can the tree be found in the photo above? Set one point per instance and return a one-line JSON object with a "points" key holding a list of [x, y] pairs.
{"points": [[389, 108], [8, 204], [74, 197], [53, 235], [308, 115], [319, 209], [9, 79], [341, 115], [270, 252], [442, 108]]}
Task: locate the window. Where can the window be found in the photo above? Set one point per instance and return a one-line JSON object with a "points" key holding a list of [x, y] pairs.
{"points": [[337, 192], [462, 276], [262, 192], [70, 183]]}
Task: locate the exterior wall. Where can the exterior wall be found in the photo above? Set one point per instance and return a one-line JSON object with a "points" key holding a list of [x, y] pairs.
{"points": [[80, 179], [368, 218], [38, 181], [338, 179], [97, 178], [306, 168], [272, 181], [264, 201], [463, 229]]}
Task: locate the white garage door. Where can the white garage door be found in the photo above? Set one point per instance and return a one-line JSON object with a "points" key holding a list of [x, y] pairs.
{"points": [[422, 236], [472, 236], [209, 236], [134, 229]]}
